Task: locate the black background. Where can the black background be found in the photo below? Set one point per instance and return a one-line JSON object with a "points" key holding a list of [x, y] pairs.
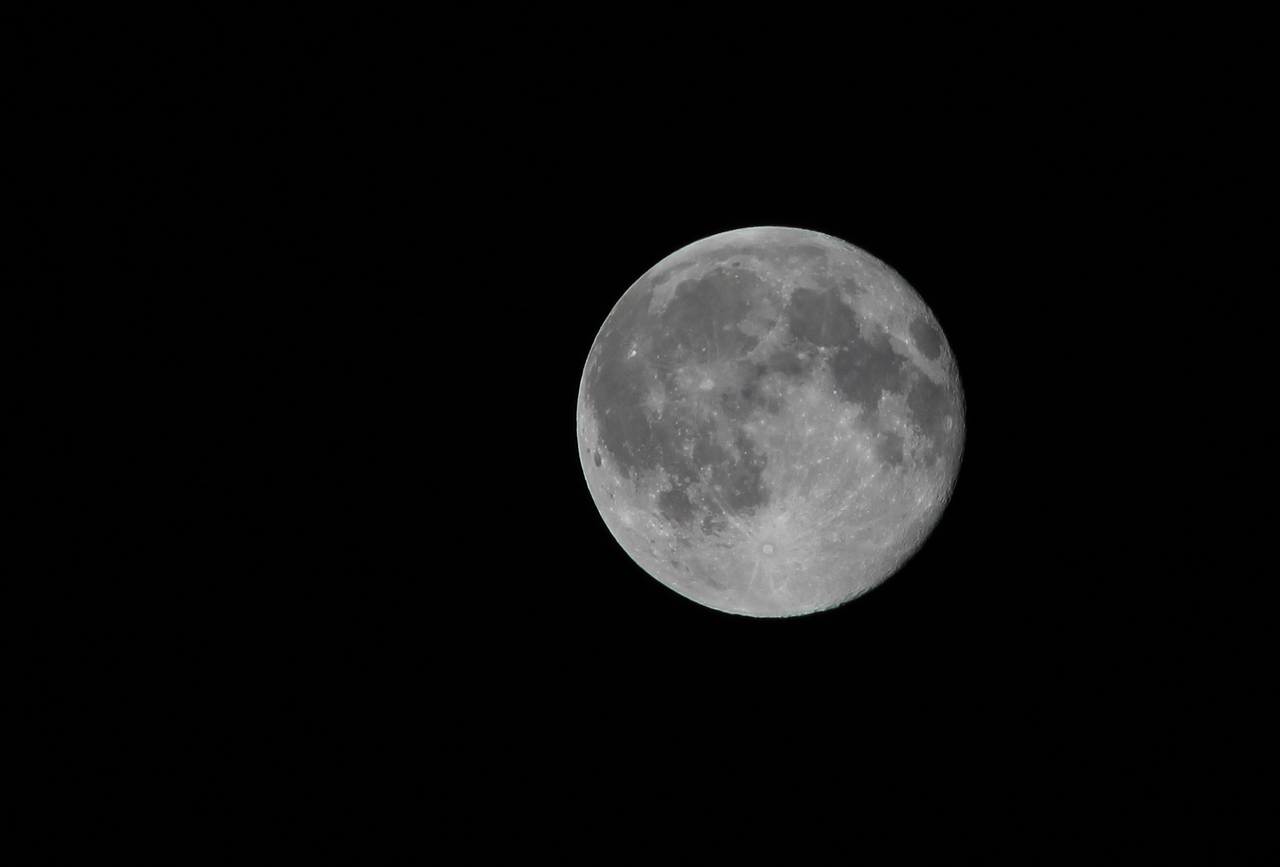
{"points": [[350, 543]]}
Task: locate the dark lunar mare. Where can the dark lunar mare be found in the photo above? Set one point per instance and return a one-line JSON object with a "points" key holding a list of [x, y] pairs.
{"points": [[930, 405], [889, 447], [616, 389], [693, 323], [699, 325], [691, 329], [863, 369], [821, 318], [866, 368], [927, 339]]}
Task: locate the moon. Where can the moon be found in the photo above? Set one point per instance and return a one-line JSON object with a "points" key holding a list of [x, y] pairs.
{"points": [[770, 421]]}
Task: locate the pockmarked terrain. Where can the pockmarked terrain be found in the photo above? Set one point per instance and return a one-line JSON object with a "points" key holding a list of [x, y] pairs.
{"points": [[770, 421]]}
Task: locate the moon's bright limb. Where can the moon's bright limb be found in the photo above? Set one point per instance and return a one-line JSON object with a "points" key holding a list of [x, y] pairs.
{"points": [[770, 421]]}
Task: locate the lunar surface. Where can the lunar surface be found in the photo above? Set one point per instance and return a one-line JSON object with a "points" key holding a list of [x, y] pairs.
{"points": [[770, 421]]}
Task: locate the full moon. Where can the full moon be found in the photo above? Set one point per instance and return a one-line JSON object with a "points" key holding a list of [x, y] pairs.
{"points": [[770, 421]]}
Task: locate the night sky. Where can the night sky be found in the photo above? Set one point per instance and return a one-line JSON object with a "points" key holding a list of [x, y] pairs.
{"points": [[340, 459]]}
